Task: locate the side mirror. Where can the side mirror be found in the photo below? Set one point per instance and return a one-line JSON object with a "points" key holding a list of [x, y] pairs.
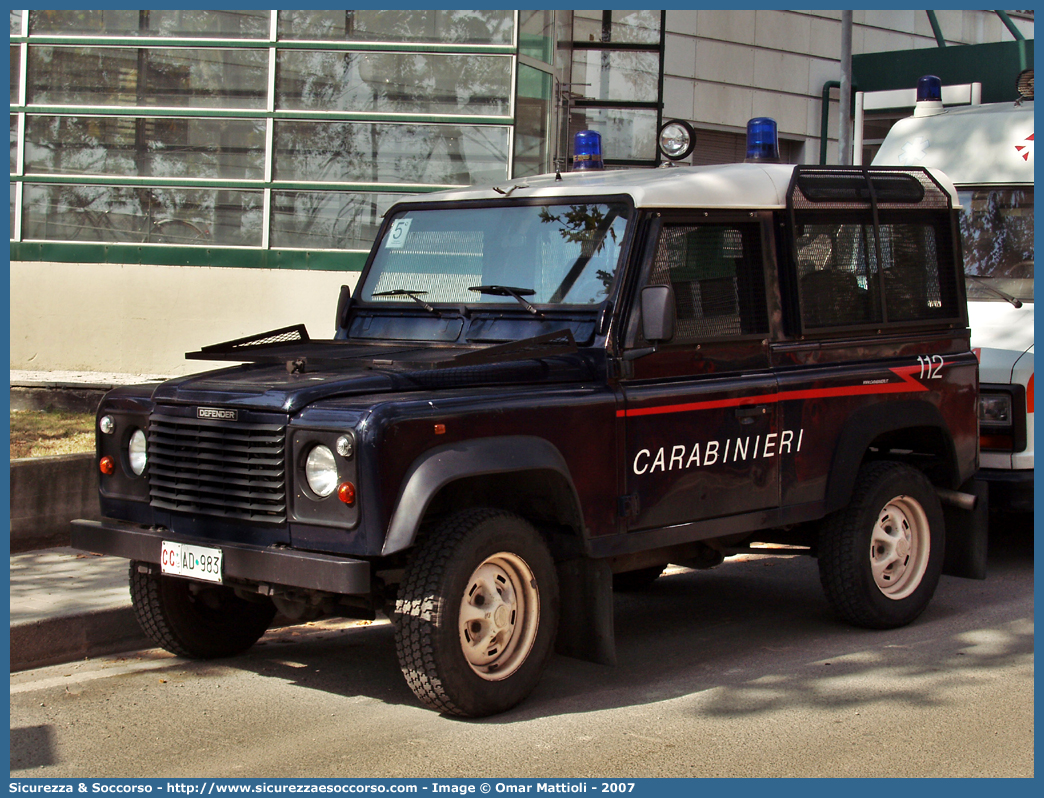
{"points": [[343, 301], [658, 314]]}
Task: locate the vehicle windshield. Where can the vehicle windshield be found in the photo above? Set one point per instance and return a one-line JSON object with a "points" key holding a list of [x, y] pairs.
{"points": [[997, 234], [561, 254]]}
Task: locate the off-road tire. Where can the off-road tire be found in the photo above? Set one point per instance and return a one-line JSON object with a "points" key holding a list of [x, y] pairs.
{"points": [[894, 514], [443, 654], [195, 619], [632, 581]]}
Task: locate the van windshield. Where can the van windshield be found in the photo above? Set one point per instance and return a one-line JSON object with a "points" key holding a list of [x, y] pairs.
{"points": [[555, 254], [997, 235]]}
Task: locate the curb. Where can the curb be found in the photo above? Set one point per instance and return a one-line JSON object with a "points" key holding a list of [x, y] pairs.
{"points": [[55, 641]]}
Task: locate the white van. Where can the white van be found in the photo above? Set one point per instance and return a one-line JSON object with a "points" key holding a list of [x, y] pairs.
{"points": [[987, 151]]}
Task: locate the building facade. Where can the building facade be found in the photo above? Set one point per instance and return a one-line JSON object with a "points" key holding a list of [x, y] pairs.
{"points": [[184, 177]]}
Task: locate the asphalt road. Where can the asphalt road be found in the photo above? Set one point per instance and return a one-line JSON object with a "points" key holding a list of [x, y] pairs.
{"points": [[738, 671]]}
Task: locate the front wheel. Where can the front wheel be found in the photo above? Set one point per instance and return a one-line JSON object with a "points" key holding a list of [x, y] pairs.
{"points": [[196, 619], [476, 613], [880, 558]]}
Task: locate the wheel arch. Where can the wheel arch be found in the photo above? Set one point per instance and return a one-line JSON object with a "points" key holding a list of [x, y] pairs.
{"points": [[533, 466], [915, 426]]}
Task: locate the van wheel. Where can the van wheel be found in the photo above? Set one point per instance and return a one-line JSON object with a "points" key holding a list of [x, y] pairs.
{"points": [[196, 619], [880, 558], [476, 613]]}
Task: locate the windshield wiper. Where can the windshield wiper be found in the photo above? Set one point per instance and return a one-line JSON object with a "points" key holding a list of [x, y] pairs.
{"points": [[414, 295], [511, 291], [1015, 301]]}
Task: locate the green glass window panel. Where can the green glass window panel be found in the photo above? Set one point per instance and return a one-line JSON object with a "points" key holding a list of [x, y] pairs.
{"points": [[536, 34], [164, 22], [13, 195], [379, 153], [621, 75], [628, 134], [14, 144], [230, 149], [424, 26], [142, 215], [533, 121], [16, 23], [151, 77], [328, 219], [623, 27], [16, 71], [425, 83]]}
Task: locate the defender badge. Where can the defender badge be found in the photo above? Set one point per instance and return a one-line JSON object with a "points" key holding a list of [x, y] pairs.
{"points": [[217, 414]]}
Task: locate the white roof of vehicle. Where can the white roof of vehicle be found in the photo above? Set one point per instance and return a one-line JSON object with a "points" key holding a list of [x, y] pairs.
{"points": [[974, 145], [726, 186], [743, 186]]}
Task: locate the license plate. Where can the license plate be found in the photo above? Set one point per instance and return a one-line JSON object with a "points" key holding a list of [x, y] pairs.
{"points": [[197, 562]]}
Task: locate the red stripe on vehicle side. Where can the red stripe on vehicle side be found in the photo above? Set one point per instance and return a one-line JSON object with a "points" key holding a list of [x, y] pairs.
{"points": [[905, 373]]}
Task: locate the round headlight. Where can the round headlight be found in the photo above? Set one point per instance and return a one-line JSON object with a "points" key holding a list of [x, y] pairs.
{"points": [[137, 457], [321, 471], [676, 139]]}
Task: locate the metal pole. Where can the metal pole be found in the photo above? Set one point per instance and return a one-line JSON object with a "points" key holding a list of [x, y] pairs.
{"points": [[844, 137]]}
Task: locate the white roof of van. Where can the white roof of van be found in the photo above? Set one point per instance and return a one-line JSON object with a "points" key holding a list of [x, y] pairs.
{"points": [[742, 186], [974, 145]]}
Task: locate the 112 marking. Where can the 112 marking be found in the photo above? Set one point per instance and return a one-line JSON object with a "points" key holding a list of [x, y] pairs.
{"points": [[931, 366]]}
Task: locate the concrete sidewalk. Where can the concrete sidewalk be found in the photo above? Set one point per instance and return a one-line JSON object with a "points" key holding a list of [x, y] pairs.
{"points": [[68, 605]]}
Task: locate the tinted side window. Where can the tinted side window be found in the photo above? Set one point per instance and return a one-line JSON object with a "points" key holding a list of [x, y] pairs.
{"points": [[716, 273], [841, 276]]}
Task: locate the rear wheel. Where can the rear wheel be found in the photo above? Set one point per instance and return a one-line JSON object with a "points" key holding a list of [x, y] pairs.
{"points": [[196, 619], [476, 614], [880, 558]]}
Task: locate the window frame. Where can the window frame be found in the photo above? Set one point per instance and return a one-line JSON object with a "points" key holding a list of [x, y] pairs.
{"points": [[757, 222]]}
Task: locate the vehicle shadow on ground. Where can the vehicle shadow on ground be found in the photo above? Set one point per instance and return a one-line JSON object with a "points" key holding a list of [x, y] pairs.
{"points": [[749, 636]]}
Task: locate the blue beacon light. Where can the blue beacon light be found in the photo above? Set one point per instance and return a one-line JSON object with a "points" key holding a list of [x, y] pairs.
{"points": [[929, 96], [929, 88], [762, 141], [587, 151]]}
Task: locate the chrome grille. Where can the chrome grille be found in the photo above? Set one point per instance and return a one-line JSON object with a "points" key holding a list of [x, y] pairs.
{"points": [[226, 469]]}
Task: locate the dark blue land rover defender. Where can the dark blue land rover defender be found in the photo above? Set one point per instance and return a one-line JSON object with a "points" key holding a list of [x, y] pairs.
{"points": [[544, 388]]}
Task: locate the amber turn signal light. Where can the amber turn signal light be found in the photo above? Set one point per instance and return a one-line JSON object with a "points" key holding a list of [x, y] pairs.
{"points": [[346, 493], [107, 466]]}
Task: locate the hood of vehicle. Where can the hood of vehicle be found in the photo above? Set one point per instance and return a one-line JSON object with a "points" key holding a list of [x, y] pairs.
{"points": [[292, 385], [1000, 334]]}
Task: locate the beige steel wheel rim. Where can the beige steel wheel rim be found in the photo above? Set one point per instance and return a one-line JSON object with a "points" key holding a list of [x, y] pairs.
{"points": [[499, 616], [900, 545]]}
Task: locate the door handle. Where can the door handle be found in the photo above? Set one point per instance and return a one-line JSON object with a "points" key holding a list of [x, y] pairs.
{"points": [[748, 413]]}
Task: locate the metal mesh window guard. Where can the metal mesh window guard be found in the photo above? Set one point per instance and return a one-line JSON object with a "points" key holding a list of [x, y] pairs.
{"points": [[716, 273]]}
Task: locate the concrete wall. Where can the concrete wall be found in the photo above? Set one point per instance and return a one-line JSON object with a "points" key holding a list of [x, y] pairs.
{"points": [[46, 494], [130, 318], [722, 68]]}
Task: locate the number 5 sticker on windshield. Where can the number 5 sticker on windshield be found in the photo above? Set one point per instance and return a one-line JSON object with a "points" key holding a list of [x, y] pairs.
{"points": [[397, 235]]}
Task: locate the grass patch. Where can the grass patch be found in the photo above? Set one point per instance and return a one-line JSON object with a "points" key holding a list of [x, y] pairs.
{"points": [[39, 433]]}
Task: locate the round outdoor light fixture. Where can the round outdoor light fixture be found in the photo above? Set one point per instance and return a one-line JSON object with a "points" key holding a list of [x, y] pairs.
{"points": [[1024, 84], [676, 140]]}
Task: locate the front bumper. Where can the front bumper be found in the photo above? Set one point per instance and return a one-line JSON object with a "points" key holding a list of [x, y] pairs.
{"points": [[243, 562], [1010, 490]]}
